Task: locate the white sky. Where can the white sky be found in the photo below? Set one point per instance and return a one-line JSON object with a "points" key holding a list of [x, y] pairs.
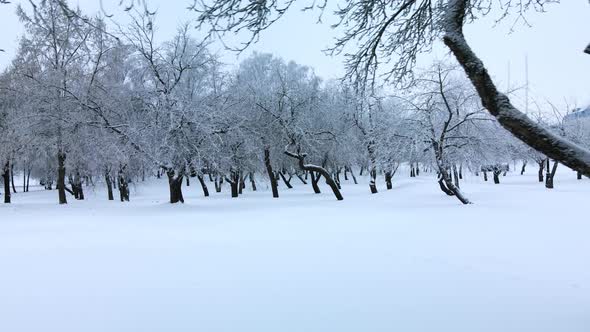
{"points": [[558, 69]]}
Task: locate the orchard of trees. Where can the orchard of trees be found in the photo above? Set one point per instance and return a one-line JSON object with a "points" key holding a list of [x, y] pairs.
{"points": [[83, 105]]}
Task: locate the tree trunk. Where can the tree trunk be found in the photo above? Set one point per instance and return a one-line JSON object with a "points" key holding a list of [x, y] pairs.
{"points": [[242, 184], [444, 179], [388, 177], [372, 182], [523, 169], [25, 178], [109, 181], [550, 174], [6, 178], [203, 185], [287, 182], [541, 167], [497, 176], [234, 182], [28, 178], [252, 181], [499, 105], [123, 184], [61, 177], [78, 181], [12, 177], [352, 175], [456, 176], [320, 170], [579, 175], [315, 178], [485, 175], [175, 186], [273, 180]]}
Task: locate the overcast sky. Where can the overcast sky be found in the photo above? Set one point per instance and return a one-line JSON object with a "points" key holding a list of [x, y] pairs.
{"points": [[558, 69]]}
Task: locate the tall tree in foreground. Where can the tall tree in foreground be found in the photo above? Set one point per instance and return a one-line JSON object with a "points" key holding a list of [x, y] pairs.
{"points": [[391, 34], [54, 44]]}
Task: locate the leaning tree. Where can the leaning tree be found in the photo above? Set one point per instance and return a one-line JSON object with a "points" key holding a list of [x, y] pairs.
{"points": [[388, 36]]}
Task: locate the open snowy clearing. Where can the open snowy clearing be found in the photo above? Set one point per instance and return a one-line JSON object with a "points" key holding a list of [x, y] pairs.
{"points": [[409, 259]]}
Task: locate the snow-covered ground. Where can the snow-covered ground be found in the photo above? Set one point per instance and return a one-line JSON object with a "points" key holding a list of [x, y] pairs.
{"points": [[409, 259]]}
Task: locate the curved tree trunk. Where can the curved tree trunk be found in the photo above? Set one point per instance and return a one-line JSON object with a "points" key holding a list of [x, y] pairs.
{"points": [[203, 185], [498, 104], [273, 179], [318, 169], [285, 180]]}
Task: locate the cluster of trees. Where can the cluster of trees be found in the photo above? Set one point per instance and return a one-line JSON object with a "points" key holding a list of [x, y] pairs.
{"points": [[81, 104]]}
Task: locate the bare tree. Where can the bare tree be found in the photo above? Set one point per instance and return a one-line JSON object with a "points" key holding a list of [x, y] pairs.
{"points": [[401, 30]]}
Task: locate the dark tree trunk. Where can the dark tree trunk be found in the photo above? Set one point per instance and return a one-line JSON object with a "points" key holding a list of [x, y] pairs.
{"points": [[80, 189], [252, 181], [443, 187], [315, 178], [218, 183], [25, 178], [497, 176], [242, 184], [320, 170], [234, 182], [550, 174], [273, 180], [388, 177], [287, 182], [175, 185], [61, 177], [203, 185], [123, 184], [499, 105], [188, 181], [12, 177], [28, 178], [523, 169], [461, 172], [579, 175], [485, 175], [109, 181], [6, 179], [352, 175], [373, 181], [444, 179]]}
